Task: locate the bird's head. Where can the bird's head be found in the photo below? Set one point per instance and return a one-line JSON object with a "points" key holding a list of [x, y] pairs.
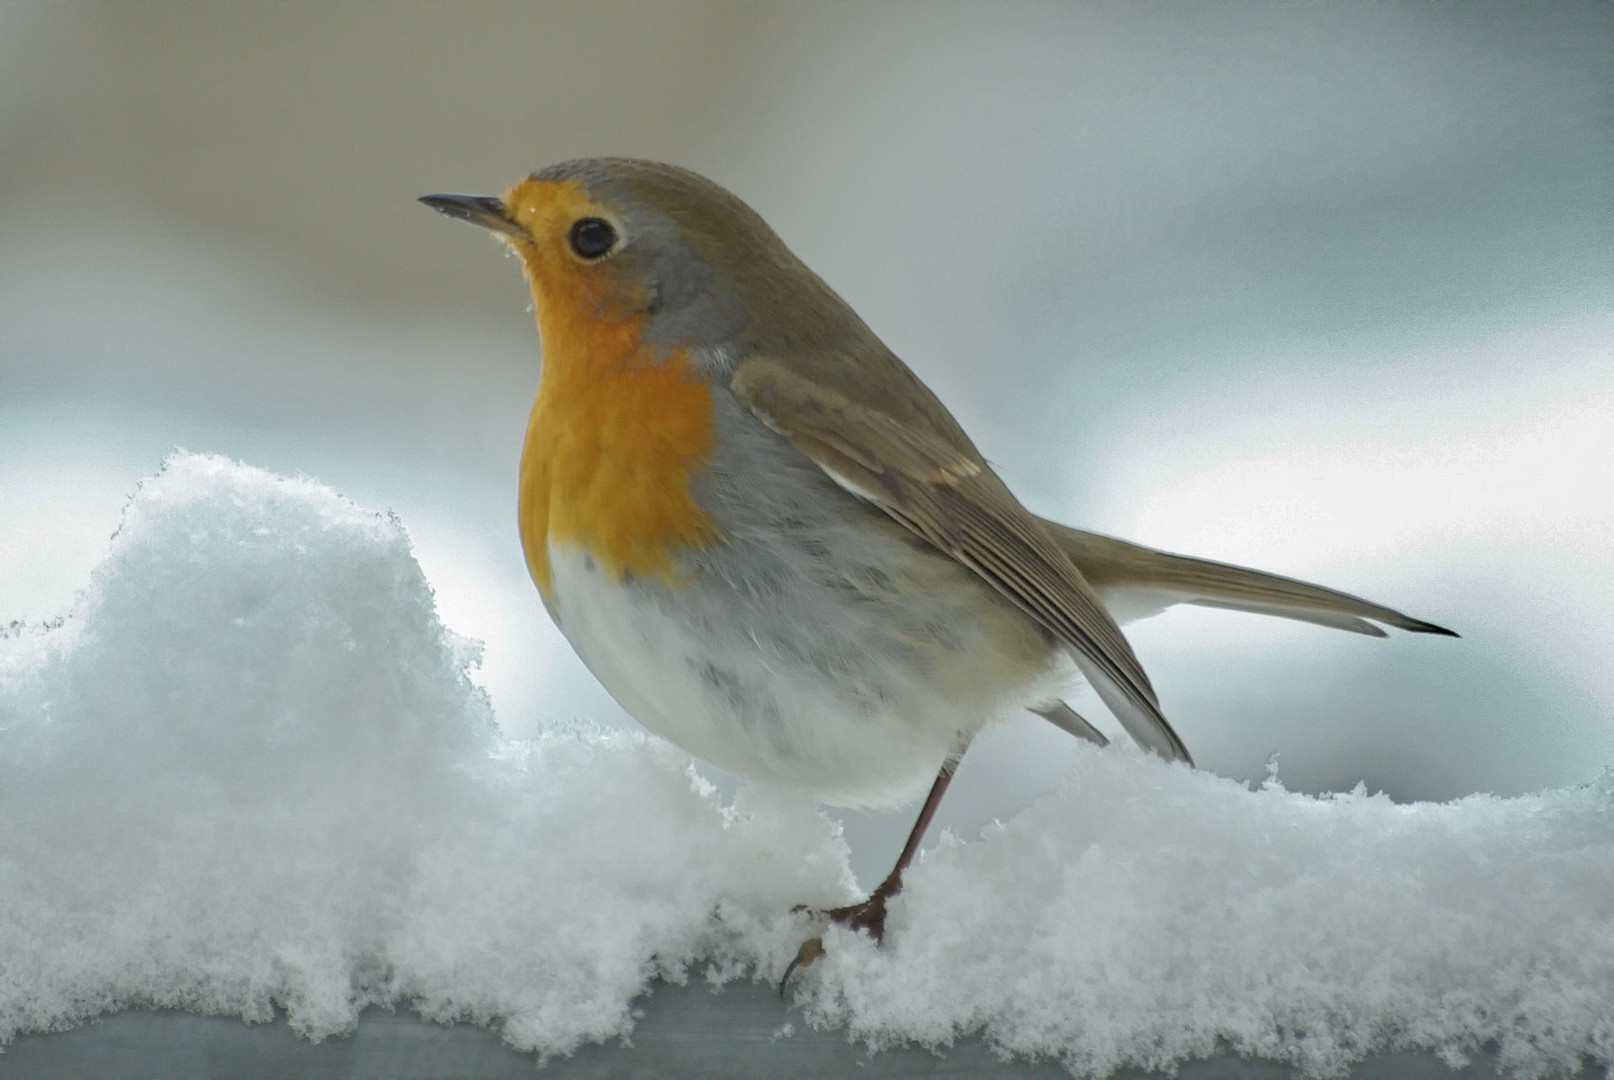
{"points": [[618, 241]]}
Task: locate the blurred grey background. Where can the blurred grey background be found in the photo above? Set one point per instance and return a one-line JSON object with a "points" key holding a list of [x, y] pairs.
{"points": [[1324, 289]]}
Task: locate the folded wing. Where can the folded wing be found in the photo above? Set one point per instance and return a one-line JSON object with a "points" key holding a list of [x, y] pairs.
{"points": [[947, 494]]}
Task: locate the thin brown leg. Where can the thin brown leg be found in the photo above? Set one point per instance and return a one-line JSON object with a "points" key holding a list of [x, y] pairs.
{"points": [[870, 914]]}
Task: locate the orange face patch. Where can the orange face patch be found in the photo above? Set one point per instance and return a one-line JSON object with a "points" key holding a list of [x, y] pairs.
{"points": [[618, 429]]}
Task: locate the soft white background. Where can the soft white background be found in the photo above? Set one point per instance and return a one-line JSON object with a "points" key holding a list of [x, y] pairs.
{"points": [[1327, 290]]}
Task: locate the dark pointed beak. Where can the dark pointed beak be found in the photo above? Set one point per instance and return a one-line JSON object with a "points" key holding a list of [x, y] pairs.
{"points": [[483, 210]]}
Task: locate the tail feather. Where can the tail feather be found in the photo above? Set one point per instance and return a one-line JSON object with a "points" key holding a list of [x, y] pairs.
{"points": [[1068, 719], [1145, 581]]}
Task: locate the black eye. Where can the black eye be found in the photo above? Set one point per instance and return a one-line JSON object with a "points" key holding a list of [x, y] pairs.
{"points": [[592, 237]]}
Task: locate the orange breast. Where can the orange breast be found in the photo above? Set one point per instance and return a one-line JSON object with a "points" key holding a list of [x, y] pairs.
{"points": [[616, 434]]}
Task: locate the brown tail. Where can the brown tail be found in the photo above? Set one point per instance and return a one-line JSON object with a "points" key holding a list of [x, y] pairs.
{"points": [[1131, 575]]}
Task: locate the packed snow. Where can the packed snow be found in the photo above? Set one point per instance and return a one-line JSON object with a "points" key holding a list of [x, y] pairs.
{"points": [[250, 770]]}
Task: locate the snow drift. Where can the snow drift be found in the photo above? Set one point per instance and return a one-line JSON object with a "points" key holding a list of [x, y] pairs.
{"points": [[249, 770]]}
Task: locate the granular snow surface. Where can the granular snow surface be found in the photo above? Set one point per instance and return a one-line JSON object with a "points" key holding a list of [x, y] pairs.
{"points": [[249, 770]]}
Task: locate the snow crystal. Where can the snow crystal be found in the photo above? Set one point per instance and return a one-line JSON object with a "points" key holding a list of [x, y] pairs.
{"points": [[248, 770]]}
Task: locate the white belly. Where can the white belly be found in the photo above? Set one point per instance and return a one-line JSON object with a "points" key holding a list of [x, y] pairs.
{"points": [[791, 690]]}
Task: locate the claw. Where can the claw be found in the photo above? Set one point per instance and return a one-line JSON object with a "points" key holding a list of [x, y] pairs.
{"points": [[810, 950]]}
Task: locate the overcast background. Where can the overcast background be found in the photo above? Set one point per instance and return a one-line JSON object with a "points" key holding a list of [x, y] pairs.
{"points": [[1327, 290]]}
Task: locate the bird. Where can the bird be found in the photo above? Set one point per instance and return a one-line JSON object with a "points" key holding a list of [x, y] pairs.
{"points": [[772, 543]]}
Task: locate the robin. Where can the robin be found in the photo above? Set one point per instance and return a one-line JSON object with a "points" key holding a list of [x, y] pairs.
{"points": [[772, 543]]}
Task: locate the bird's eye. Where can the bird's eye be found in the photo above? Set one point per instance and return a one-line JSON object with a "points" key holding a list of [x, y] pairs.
{"points": [[592, 238]]}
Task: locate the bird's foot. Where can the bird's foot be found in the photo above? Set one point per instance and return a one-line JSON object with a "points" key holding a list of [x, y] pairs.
{"points": [[868, 916]]}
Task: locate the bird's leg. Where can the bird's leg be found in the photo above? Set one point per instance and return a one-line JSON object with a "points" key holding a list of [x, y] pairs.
{"points": [[869, 915]]}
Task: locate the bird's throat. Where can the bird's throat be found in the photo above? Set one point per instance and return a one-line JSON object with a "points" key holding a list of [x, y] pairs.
{"points": [[617, 433]]}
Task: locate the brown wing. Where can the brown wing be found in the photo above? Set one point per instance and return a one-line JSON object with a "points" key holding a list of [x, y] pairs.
{"points": [[950, 497]]}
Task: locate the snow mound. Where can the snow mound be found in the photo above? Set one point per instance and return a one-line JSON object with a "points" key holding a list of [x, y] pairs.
{"points": [[249, 770], [1146, 914]]}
